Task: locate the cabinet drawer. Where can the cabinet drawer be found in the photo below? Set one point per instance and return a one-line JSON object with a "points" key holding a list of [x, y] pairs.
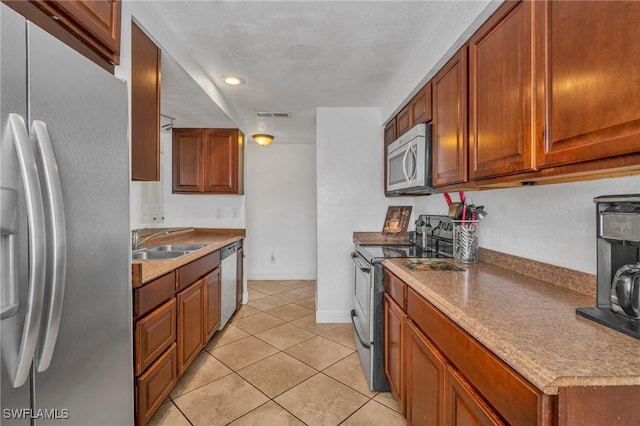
{"points": [[396, 288], [511, 395], [155, 384], [464, 406], [153, 294], [190, 273], [155, 333]]}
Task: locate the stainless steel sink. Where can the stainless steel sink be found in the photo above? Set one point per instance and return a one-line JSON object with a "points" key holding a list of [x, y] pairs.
{"points": [[157, 255], [165, 251], [176, 247]]}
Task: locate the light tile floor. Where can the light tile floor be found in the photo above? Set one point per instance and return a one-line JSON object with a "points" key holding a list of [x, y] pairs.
{"points": [[273, 365]]}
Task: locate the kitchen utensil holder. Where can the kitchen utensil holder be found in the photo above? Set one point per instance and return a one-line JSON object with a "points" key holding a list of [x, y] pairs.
{"points": [[465, 241]]}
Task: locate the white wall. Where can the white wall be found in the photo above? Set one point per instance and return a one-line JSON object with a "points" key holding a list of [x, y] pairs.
{"points": [[550, 223], [350, 198], [281, 211]]}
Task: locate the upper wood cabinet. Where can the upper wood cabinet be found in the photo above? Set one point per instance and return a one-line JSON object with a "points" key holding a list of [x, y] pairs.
{"points": [[145, 107], [587, 67], [97, 23], [403, 121], [90, 27], [450, 121], [208, 161], [420, 106], [502, 93]]}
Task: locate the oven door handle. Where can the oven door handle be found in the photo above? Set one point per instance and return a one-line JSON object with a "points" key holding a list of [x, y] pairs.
{"points": [[362, 342], [363, 267]]}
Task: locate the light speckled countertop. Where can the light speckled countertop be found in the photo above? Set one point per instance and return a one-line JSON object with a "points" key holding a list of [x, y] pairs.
{"points": [[530, 324], [148, 270]]}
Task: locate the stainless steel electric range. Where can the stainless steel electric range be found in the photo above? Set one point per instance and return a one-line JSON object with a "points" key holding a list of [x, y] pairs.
{"points": [[368, 312]]}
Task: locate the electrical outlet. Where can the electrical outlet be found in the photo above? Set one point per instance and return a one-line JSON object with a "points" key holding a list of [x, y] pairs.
{"points": [[219, 213], [273, 257]]}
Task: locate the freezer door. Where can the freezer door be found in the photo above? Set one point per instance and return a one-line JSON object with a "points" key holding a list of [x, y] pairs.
{"points": [[14, 263], [90, 376]]}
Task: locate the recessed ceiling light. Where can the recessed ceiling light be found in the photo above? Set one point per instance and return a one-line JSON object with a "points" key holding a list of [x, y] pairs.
{"points": [[232, 80]]}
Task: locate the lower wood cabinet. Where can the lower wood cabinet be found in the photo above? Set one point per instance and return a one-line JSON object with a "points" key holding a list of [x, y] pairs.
{"points": [[190, 324], [154, 385], [463, 404], [174, 316], [154, 333], [394, 321], [441, 376], [424, 372]]}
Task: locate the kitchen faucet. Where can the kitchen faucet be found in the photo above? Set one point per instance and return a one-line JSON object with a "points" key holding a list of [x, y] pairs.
{"points": [[136, 237]]}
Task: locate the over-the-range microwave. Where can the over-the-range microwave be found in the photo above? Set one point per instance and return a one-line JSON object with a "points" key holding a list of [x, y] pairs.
{"points": [[409, 162]]}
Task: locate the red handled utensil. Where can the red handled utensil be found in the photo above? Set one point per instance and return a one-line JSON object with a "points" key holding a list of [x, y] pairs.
{"points": [[447, 197]]}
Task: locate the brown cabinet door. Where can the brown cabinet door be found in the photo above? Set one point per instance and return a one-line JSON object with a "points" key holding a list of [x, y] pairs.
{"points": [[145, 107], [587, 65], [394, 323], [97, 23], [464, 406], [221, 161], [187, 160], [501, 94], [450, 121], [212, 304], [155, 384], [154, 333], [403, 121], [389, 137], [424, 379], [421, 106], [239, 278], [190, 324]]}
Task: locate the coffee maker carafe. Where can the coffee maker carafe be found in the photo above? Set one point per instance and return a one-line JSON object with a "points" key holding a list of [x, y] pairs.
{"points": [[618, 264]]}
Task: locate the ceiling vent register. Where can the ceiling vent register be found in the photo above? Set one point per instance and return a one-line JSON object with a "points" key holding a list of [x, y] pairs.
{"points": [[272, 114]]}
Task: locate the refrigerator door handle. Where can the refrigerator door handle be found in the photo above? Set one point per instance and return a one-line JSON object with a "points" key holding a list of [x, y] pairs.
{"points": [[57, 250], [37, 249]]}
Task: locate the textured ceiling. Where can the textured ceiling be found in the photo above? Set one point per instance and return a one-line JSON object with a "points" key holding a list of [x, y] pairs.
{"points": [[297, 55]]}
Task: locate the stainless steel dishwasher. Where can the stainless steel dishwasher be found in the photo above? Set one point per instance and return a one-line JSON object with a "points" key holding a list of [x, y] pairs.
{"points": [[228, 277]]}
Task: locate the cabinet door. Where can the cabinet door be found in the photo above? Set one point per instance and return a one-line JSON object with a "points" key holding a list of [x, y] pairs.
{"points": [[424, 379], [389, 137], [501, 94], [212, 304], [187, 160], [221, 161], [464, 406], [145, 107], [155, 384], [394, 322], [190, 324], [154, 333], [239, 278], [450, 121], [587, 65], [403, 121], [421, 106]]}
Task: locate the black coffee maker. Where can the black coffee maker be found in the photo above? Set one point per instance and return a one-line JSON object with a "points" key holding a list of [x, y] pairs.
{"points": [[618, 245]]}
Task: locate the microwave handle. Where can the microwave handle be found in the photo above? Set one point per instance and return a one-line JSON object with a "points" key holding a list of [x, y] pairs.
{"points": [[404, 164]]}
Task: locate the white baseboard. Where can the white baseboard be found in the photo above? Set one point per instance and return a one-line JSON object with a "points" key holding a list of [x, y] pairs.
{"points": [[333, 317], [280, 276], [245, 297]]}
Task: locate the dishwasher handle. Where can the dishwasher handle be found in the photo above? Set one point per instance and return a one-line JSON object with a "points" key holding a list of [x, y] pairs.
{"points": [[228, 250]]}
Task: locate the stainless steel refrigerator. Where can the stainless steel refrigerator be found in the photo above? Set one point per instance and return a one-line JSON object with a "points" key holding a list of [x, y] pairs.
{"points": [[65, 328]]}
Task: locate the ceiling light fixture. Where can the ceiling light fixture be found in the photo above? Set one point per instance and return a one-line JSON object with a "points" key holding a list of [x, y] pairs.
{"points": [[262, 139], [232, 80]]}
